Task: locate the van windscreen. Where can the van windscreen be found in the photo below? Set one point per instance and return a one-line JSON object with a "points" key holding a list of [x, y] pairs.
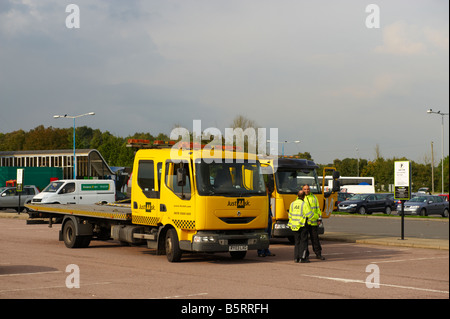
{"points": [[53, 187]]}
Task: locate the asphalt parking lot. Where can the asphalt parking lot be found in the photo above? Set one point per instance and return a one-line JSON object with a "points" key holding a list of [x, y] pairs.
{"points": [[34, 264]]}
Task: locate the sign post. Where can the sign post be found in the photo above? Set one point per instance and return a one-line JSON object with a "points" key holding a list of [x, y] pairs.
{"points": [[19, 187], [402, 187]]}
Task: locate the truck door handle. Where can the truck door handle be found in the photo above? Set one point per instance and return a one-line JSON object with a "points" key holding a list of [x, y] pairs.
{"points": [[135, 205], [162, 208]]}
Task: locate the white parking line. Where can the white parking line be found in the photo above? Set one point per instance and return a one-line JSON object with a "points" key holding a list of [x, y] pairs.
{"points": [[32, 273], [52, 287], [345, 280], [402, 260], [182, 296]]}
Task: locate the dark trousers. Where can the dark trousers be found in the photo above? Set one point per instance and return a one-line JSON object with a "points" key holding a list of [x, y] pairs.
{"points": [[314, 236], [301, 243]]}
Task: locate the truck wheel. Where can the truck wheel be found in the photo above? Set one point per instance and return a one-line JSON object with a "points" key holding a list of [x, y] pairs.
{"points": [[71, 240], [173, 251]]}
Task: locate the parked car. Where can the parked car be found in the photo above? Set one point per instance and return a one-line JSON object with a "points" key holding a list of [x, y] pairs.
{"points": [[9, 197], [366, 204], [425, 205], [389, 196], [343, 196], [424, 190]]}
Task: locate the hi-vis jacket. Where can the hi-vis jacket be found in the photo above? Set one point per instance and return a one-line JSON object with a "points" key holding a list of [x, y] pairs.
{"points": [[298, 213], [311, 199]]}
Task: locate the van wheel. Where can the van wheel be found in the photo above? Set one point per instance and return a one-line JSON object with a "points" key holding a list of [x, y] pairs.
{"points": [[173, 251], [71, 240]]}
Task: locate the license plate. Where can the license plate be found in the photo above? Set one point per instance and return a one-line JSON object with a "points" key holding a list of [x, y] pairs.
{"points": [[238, 248]]}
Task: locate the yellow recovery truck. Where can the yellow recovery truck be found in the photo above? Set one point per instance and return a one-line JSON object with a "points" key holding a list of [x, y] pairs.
{"points": [[179, 203], [286, 179]]}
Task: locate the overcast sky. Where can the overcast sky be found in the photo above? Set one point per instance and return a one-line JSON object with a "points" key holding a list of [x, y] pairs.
{"points": [[312, 69]]}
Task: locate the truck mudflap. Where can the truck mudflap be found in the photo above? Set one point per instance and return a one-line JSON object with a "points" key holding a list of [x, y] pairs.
{"points": [[228, 241], [281, 229]]}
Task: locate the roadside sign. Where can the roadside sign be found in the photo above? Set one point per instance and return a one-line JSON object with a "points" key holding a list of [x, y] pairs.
{"points": [[402, 188], [402, 180], [19, 179]]}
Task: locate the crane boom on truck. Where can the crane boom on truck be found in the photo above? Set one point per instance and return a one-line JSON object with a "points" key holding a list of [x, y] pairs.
{"points": [[286, 179], [179, 203]]}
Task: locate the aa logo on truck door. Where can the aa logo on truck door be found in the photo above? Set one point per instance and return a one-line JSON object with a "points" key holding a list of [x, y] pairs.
{"points": [[148, 207], [239, 203]]}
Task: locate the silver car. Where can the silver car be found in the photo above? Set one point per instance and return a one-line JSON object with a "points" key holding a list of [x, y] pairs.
{"points": [[9, 197], [425, 205]]}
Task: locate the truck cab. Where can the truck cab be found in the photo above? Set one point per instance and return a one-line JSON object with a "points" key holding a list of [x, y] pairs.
{"points": [[200, 204], [285, 177]]}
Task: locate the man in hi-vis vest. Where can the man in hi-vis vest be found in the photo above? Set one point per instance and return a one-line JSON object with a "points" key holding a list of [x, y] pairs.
{"points": [[314, 222], [299, 212]]}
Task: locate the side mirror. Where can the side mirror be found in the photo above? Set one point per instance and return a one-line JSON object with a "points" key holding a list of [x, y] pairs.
{"points": [[336, 183], [181, 176], [336, 186]]}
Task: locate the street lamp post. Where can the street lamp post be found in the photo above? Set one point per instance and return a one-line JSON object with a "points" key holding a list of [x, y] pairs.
{"points": [[74, 155], [430, 111]]}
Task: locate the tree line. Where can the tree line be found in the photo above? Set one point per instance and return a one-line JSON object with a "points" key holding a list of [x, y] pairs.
{"points": [[113, 149]]}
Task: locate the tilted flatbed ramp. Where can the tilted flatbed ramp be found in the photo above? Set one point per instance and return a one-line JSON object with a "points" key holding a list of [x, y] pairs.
{"points": [[110, 211]]}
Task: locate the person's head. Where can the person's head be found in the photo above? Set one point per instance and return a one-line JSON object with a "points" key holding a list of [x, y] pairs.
{"points": [[301, 194], [306, 189]]}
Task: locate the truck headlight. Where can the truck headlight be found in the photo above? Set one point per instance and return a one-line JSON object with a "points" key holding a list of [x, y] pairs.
{"points": [[264, 236], [204, 239]]}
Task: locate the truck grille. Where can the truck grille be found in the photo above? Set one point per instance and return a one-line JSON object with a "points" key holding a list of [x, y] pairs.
{"points": [[237, 220]]}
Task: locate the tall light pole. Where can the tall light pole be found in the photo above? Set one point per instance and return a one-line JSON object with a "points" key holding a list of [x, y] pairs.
{"points": [[430, 111], [74, 155]]}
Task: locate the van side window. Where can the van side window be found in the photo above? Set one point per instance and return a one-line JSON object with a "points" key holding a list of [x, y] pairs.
{"points": [[183, 192], [146, 178], [68, 188]]}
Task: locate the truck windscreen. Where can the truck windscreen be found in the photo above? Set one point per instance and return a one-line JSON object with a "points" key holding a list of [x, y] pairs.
{"points": [[291, 180], [229, 179]]}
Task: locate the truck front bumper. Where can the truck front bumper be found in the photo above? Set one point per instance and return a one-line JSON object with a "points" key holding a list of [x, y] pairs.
{"points": [[209, 241], [281, 229]]}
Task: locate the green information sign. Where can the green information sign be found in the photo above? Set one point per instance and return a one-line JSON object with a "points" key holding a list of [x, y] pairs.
{"points": [[94, 187]]}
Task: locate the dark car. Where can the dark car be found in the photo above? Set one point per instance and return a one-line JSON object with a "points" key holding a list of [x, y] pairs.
{"points": [[343, 196], [425, 205], [366, 204]]}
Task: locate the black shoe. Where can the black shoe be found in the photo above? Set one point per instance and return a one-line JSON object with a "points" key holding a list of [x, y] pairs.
{"points": [[320, 257], [304, 260]]}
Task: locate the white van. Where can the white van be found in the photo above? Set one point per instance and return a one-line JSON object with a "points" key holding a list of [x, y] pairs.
{"points": [[77, 191]]}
